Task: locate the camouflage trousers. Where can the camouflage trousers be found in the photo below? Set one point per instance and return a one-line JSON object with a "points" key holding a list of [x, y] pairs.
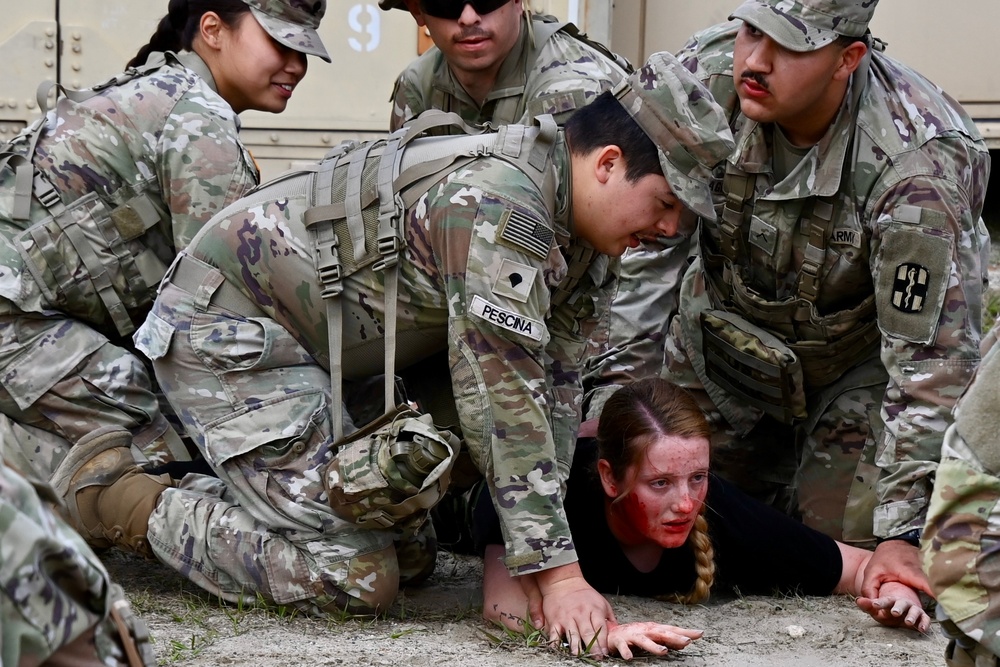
{"points": [[963, 651], [257, 410], [56, 596], [62, 377]]}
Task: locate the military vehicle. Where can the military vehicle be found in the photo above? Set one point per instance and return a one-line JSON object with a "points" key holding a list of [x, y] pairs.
{"points": [[81, 42]]}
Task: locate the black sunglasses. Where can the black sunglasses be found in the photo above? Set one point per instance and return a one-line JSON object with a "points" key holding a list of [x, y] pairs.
{"points": [[452, 9]]}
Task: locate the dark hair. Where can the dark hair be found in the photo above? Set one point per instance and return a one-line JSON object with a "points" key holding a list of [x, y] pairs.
{"points": [[176, 31], [605, 122], [635, 415]]}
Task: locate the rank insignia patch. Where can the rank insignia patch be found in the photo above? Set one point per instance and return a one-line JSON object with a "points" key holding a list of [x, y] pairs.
{"points": [[909, 289], [514, 280]]}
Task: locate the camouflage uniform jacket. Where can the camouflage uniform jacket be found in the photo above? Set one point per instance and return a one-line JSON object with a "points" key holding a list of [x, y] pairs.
{"points": [[166, 134], [483, 256], [564, 75], [959, 540], [912, 202]]}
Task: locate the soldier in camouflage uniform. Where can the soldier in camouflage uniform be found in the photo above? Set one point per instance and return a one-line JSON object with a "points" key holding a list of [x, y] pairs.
{"points": [[498, 270], [832, 315], [493, 61], [57, 603], [959, 540], [99, 195]]}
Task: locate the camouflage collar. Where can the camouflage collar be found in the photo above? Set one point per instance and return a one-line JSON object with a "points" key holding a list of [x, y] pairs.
{"points": [[192, 61]]}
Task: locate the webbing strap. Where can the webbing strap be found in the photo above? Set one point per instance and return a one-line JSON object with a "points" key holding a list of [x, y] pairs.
{"points": [[738, 187], [541, 148], [579, 262], [352, 202], [390, 243], [98, 275], [432, 119], [815, 250], [335, 333]]}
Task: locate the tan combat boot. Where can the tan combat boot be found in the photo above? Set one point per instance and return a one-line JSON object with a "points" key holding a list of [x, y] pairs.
{"points": [[109, 498]]}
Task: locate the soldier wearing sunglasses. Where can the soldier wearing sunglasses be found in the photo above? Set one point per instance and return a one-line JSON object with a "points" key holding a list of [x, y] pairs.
{"points": [[493, 61]]}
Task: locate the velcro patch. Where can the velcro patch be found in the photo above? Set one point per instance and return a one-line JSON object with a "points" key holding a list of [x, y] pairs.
{"points": [[506, 319], [525, 233], [763, 235], [850, 237], [514, 280], [912, 281], [910, 287]]}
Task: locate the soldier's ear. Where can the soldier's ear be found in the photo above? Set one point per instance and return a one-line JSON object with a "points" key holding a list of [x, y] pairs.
{"points": [[850, 58], [606, 161], [210, 29]]}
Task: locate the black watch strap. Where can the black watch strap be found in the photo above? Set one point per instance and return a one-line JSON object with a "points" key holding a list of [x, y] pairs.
{"points": [[910, 536]]}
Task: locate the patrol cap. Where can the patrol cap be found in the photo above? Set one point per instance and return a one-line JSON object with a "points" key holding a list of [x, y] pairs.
{"points": [[807, 25], [690, 130], [292, 23]]}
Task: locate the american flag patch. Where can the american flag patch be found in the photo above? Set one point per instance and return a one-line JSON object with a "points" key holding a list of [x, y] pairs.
{"points": [[523, 232]]}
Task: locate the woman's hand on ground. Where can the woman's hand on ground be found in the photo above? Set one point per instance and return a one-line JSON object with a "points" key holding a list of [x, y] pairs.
{"points": [[897, 606], [654, 638]]}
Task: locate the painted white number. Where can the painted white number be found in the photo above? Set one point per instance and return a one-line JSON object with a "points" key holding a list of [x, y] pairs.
{"points": [[372, 27]]}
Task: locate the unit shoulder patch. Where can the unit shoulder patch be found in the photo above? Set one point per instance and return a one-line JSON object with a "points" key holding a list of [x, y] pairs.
{"points": [[909, 289]]}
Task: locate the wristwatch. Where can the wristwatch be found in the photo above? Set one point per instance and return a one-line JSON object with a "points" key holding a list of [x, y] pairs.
{"points": [[910, 536]]}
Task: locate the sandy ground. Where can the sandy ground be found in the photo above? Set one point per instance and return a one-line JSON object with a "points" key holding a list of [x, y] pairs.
{"points": [[439, 624]]}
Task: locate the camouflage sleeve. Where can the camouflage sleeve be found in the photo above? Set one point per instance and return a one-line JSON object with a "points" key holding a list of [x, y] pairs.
{"points": [[572, 326], [407, 102], [709, 55], [927, 268], [202, 164], [507, 364], [567, 75], [411, 94], [638, 320], [963, 522], [54, 587]]}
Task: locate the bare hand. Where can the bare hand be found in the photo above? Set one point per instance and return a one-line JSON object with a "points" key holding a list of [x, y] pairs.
{"points": [[898, 606], [574, 610], [653, 638], [894, 561]]}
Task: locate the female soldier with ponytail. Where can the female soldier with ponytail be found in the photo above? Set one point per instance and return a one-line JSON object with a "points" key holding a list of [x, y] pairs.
{"points": [[99, 195], [649, 519]]}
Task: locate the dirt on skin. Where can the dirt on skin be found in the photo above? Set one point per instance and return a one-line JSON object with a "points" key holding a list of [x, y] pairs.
{"points": [[439, 624]]}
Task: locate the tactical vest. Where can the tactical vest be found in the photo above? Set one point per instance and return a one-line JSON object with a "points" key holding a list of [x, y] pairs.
{"points": [[540, 28], [819, 344], [89, 260]]}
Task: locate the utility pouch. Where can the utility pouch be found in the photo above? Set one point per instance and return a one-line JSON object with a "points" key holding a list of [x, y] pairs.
{"points": [[87, 261], [392, 471], [754, 365]]}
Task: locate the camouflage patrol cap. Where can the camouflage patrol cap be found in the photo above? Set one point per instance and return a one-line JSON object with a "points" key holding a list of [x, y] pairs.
{"points": [[690, 130], [807, 25], [292, 23]]}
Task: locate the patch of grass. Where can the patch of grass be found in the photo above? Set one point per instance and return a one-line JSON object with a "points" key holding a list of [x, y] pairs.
{"points": [[991, 308], [528, 636]]}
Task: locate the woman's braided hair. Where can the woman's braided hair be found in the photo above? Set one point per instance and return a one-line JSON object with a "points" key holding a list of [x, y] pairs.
{"points": [[635, 415], [176, 31]]}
